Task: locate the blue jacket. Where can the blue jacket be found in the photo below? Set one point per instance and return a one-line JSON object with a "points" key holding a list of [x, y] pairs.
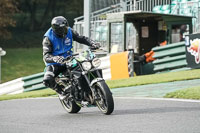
{"points": [[61, 46]]}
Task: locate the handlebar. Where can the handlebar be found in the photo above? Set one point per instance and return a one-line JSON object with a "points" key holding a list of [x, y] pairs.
{"points": [[98, 50], [68, 58], [72, 56]]}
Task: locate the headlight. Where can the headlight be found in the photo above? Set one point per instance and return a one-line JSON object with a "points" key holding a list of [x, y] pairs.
{"points": [[96, 62], [86, 66]]}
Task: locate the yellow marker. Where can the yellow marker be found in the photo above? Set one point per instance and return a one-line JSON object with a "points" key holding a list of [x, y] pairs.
{"points": [[119, 66]]}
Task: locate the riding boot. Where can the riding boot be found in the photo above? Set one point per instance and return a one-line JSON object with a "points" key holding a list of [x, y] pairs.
{"points": [[58, 89]]}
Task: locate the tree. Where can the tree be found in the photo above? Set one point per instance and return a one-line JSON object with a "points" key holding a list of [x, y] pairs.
{"points": [[33, 8], [7, 9], [40, 12]]}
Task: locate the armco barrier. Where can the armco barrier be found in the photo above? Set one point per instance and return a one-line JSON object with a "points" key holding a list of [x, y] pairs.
{"points": [[34, 82], [170, 57], [14, 86], [29, 83], [105, 66]]}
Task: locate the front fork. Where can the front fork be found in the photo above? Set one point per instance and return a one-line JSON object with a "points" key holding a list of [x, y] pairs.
{"points": [[91, 83]]}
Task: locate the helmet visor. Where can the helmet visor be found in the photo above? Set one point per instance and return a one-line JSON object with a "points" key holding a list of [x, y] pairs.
{"points": [[60, 30]]}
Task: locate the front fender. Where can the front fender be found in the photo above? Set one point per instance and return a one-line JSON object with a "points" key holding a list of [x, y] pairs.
{"points": [[96, 80]]}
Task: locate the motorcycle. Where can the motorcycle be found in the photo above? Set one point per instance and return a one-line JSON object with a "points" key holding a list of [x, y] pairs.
{"points": [[84, 85]]}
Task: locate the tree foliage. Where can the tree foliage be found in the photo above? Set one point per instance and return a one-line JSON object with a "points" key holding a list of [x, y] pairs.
{"points": [[37, 13], [7, 9], [33, 19]]}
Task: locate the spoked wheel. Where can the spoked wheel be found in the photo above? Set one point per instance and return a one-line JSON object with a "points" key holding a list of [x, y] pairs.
{"points": [[70, 106], [104, 99]]}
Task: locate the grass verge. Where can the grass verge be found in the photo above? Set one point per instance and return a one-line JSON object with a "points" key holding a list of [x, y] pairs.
{"points": [[32, 94], [155, 78], [189, 93]]}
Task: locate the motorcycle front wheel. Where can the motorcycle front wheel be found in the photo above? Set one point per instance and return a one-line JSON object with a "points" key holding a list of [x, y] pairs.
{"points": [[70, 106], [104, 99]]}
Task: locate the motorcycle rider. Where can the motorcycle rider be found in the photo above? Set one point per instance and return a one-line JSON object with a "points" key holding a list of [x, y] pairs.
{"points": [[57, 45]]}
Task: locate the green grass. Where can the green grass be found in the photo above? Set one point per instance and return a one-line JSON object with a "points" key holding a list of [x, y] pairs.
{"points": [[32, 94], [189, 93], [21, 62], [155, 78]]}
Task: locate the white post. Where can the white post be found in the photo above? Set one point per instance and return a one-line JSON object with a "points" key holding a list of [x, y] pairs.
{"points": [[0, 69], [2, 53], [131, 5], [123, 5], [86, 28], [87, 10], [135, 4]]}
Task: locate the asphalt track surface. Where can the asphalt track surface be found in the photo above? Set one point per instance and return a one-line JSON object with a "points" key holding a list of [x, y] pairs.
{"points": [[131, 115], [155, 90]]}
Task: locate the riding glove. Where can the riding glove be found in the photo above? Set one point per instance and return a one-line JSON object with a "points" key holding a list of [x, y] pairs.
{"points": [[58, 59], [95, 46]]}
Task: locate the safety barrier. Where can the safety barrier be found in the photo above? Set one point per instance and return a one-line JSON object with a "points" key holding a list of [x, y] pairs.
{"points": [[121, 65], [34, 82], [130, 64], [170, 57], [24, 84], [105, 66], [13, 87], [117, 66]]}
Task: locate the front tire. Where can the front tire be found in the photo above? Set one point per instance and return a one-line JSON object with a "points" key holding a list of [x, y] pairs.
{"points": [[70, 106], [104, 99]]}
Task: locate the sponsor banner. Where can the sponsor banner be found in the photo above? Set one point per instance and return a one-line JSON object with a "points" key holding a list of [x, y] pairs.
{"points": [[192, 43]]}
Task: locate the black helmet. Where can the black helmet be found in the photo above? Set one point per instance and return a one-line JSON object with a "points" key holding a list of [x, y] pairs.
{"points": [[59, 25]]}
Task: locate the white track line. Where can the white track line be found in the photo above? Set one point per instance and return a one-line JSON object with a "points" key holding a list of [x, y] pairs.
{"points": [[161, 99]]}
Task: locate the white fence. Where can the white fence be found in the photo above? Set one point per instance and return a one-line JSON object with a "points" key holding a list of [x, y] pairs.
{"points": [[143, 5], [127, 5]]}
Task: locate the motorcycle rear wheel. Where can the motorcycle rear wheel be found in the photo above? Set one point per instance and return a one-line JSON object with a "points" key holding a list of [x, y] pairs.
{"points": [[70, 106], [104, 97]]}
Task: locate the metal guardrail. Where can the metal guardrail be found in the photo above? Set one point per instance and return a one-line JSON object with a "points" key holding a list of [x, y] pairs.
{"points": [[127, 5], [12, 87], [170, 57], [33, 82]]}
